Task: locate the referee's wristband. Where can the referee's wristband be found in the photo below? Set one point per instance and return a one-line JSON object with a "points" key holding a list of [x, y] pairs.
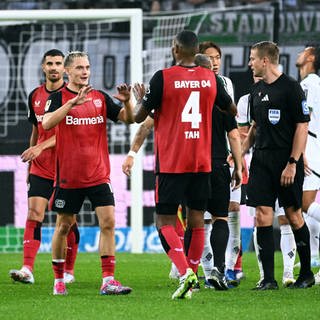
{"points": [[132, 154]]}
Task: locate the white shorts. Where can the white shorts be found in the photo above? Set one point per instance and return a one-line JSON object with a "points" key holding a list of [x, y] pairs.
{"points": [[311, 182], [235, 195], [207, 215], [278, 211]]}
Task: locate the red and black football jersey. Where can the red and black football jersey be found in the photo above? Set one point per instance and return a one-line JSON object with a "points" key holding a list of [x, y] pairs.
{"points": [[44, 165], [183, 100], [82, 156]]}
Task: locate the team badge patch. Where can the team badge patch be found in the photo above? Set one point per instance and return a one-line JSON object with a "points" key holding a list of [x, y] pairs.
{"points": [[97, 103], [274, 115], [305, 108], [59, 203], [46, 108]]}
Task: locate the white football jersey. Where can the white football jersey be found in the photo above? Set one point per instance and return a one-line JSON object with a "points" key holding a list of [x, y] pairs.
{"points": [[228, 86], [311, 87]]}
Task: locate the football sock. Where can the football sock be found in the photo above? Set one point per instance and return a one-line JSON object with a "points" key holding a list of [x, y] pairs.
{"points": [[266, 251], [108, 266], [219, 239], [314, 230], [173, 247], [58, 268], [288, 248], [31, 242], [72, 248], [256, 249], [233, 246], [302, 238], [207, 256], [194, 243]]}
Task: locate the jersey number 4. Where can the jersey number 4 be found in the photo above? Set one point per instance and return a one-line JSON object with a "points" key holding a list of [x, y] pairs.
{"points": [[191, 111]]}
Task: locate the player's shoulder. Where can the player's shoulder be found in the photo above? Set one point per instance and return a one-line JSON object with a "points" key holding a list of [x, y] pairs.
{"points": [[243, 99], [38, 89], [311, 80], [287, 80], [225, 79]]}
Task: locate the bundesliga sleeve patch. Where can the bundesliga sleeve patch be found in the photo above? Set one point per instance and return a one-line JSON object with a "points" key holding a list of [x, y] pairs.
{"points": [[48, 103], [305, 108]]}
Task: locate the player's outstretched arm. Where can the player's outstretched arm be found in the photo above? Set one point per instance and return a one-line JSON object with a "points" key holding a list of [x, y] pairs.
{"points": [[249, 140], [235, 145], [51, 119], [140, 113], [143, 131], [124, 96]]}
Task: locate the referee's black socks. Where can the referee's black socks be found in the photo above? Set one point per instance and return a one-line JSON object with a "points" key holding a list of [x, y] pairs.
{"points": [[302, 237], [266, 251]]}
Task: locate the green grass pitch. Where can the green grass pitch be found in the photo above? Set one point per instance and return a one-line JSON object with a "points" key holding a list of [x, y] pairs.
{"points": [[147, 274]]}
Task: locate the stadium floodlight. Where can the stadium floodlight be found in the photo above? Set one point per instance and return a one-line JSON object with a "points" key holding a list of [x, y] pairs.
{"points": [[73, 30]]}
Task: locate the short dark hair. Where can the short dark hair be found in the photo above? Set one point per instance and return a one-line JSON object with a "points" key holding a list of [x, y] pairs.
{"points": [[267, 49], [188, 41], [203, 46], [52, 53]]}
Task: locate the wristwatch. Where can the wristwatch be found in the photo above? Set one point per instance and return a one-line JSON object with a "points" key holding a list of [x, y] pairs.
{"points": [[292, 160]]}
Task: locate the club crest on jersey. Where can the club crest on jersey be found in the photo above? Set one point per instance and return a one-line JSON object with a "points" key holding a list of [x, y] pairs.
{"points": [[97, 103], [48, 103], [274, 115], [59, 203], [305, 108]]}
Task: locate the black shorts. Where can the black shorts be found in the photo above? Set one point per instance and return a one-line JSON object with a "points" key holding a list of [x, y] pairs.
{"points": [[39, 187], [218, 202], [191, 189], [243, 193], [71, 200], [264, 180]]}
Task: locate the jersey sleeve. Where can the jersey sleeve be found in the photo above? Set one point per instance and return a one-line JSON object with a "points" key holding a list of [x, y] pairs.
{"points": [[153, 96], [230, 122], [297, 100], [113, 109], [223, 100], [54, 102], [31, 115]]}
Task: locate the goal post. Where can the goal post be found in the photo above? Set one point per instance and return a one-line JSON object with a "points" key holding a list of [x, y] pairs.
{"points": [[135, 19]]}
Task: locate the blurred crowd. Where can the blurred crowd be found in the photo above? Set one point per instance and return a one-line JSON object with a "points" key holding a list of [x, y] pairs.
{"points": [[148, 6]]}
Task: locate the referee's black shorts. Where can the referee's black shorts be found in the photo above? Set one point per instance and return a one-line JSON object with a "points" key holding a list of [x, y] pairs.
{"points": [[218, 202], [191, 189], [264, 180]]}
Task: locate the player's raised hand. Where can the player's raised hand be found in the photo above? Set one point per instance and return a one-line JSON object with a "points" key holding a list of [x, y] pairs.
{"points": [[139, 91], [124, 92], [82, 95]]}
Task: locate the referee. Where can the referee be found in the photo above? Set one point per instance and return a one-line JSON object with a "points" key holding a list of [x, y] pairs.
{"points": [[279, 133]]}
